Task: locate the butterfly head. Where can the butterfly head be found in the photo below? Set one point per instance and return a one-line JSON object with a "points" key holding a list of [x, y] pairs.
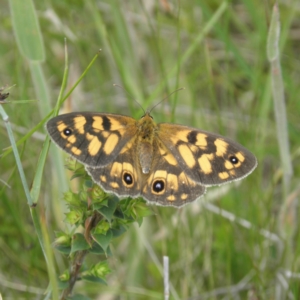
{"points": [[146, 123], [147, 115]]}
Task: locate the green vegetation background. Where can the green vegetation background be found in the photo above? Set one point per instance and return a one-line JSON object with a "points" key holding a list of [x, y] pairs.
{"points": [[250, 249]]}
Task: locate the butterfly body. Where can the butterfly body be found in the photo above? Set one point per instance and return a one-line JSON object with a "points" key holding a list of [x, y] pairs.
{"points": [[145, 137], [167, 164]]}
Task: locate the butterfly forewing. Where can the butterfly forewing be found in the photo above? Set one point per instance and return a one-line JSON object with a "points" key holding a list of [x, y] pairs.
{"points": [[92, 138], [207, 158]]}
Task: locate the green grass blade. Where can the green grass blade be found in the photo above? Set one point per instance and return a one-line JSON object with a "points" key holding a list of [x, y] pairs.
{"points": [[191, 49], [38, 177], [27, 29], [41, 87], [16, 154], [278, 96]]}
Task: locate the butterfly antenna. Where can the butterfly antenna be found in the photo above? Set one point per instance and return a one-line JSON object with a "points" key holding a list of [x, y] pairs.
{"points": [[182, 88], [119, 86]]}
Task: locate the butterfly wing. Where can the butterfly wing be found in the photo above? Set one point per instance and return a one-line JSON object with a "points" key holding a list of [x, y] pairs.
{"points": [[168, 183], [207, 158], [123, 176], [185, 159], [94, 139]]}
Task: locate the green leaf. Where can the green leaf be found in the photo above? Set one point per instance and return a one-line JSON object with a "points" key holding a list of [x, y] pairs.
{"points": [[102, 227], [117, 231], [62, 284], [74, 216], [92, 278], [88, 183], [98, 271], [79, 243], [136, 209], [72, 198], [62, 238], [65, 276], [101, 269], [103, 240], [96, 249], [83, 195], [99, 205], [76, 175], [108, 211], [143, 210], [63, 249], [108, 252], [63, 242], [119, 214]]}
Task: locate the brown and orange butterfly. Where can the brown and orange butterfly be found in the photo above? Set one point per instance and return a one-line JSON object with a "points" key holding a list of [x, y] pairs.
{"points": [[165, 163]]}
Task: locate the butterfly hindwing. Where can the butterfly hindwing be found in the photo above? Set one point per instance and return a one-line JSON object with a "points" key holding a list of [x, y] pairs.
{"points": [[94, 139], [122, 176], [167, 183]]}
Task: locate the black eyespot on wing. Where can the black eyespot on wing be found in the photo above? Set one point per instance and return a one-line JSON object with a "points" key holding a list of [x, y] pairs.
{"points": [[67, 132], [233, 159], [158, 186], [127, 178]]}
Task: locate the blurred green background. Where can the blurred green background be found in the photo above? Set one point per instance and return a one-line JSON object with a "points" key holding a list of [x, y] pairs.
{"points": [[241, 241]]}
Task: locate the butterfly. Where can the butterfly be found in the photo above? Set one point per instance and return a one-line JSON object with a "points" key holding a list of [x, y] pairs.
{"points": [[165, 163]]}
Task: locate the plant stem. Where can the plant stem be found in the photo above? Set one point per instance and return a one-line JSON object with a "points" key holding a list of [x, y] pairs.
{"points": [[75, 268], [79, 256]]}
